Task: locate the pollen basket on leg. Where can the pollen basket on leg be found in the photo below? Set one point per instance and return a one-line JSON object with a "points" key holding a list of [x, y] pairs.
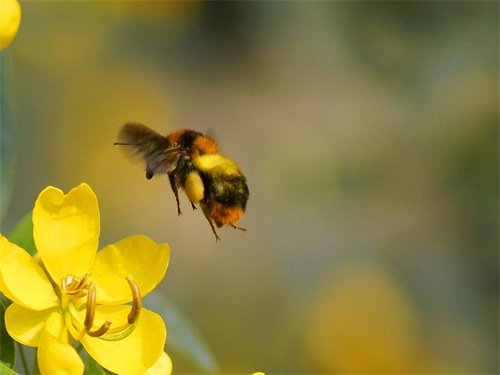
{"points": [[194, 187]]}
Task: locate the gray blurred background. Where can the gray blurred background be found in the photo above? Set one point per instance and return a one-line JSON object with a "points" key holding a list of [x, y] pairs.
{"points": [[368, 132]]}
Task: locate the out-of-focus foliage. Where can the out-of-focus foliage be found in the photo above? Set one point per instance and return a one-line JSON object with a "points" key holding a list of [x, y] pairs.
{"points": [[8, 353], [183, 337], [6, 139], [22, 235], [368, 132]]}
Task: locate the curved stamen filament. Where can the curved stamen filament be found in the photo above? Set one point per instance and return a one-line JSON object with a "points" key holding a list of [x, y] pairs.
{"points": [[136, 300], [77, 321], [91, 305], [69, 319], [135, 310], [101, 330], [75, 289]]}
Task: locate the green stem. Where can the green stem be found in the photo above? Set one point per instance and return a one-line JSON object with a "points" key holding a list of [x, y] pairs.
{"points": [[23, 358], [36, 370], [79, 347]]}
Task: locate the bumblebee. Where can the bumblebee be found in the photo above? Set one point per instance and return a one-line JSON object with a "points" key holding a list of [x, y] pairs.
{"points": [[192, 163]]}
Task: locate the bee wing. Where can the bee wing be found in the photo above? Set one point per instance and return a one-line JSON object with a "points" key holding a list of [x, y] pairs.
{"points": [[159, 153], [164, 161]]}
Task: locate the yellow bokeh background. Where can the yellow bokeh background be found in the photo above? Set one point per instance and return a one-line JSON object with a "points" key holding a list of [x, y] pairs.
{"points": [[363, 322]]}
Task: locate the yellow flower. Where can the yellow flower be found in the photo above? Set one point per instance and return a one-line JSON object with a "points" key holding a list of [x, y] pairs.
{"points": [[162, 367], [79, 294], [10, 18]]}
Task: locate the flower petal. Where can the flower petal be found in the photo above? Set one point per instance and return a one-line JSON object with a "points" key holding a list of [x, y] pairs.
{"points": [[10, 18], [135, 353], [162, 367], [58, 357], [22, 280], [66, 230], [137, 256], [56, 326], [24, 325]]}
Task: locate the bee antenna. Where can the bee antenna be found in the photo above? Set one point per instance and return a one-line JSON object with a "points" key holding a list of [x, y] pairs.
{"points": [[122, 144]]}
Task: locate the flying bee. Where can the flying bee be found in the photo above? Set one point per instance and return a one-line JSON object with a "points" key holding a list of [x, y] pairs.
{"points": [[192, 163]]}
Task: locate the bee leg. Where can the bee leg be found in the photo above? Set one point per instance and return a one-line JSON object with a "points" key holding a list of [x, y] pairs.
{"points": [[173, 185], [239, 228], [194, 207], [217, 238]]}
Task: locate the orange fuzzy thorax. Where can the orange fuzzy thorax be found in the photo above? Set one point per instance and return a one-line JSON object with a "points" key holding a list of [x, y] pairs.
{"points": [[196, 143], [206, 145]]}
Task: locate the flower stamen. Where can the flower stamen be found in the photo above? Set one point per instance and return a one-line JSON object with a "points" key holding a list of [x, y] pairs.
{"points": [[91, 305], [77, 334], [73, 284], [101, 330], [79, 293], [64, 284], [75, 289], [136, 300], [69, 280], [119, 333], [84, 280]]}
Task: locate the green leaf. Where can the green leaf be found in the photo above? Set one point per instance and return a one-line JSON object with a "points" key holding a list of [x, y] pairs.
{"points": [[4, 370], [182, 336], [7, 344], [22, 235], [5, 301]]}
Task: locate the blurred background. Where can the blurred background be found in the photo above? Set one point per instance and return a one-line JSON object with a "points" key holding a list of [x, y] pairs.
{"points": [[368, 132]]}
